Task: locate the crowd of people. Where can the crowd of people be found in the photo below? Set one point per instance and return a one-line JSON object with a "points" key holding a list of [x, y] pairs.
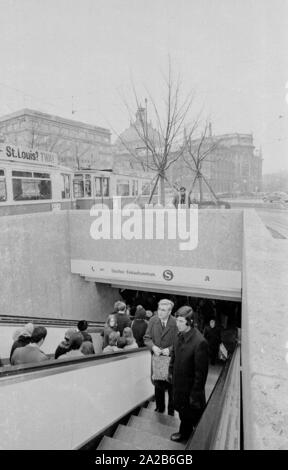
{"points": [[182, 340], [27, 342]]}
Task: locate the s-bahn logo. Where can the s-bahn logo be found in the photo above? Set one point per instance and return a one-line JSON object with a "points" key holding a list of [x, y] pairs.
{"points": [[168, 275]]}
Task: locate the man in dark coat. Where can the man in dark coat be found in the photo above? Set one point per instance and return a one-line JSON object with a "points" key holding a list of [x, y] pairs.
{"points": [[189, 369], [212, 334], [159, 338], [182, 199]]}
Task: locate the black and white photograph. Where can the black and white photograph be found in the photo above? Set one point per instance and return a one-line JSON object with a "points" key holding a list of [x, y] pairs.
{"points": [[143, 228]]}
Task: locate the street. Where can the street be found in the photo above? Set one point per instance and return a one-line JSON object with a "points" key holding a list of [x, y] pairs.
{"points": [[276, 219]]}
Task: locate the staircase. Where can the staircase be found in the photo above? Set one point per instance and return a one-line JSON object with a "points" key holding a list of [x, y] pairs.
{"points": [[150, 430]]}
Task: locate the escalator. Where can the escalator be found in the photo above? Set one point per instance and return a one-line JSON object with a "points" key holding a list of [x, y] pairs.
{"points": [[150, 430], [105, 402]]}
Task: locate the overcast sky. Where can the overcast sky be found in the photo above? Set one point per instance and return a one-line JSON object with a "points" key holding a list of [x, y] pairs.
{"points": [[232, 53]]}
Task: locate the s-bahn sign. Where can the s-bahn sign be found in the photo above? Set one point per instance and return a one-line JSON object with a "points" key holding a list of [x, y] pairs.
{"points": [[214, 283], [10, 152]]}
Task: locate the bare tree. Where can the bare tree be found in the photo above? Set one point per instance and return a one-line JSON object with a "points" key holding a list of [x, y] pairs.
{"points": [[163, 147], [196, 154]]}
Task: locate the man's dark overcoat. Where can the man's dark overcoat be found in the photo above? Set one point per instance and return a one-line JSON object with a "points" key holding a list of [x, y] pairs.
{"points": [[189, 369]]}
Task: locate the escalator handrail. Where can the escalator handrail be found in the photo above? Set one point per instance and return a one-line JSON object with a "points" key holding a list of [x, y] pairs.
{"points": [[50, 364], [14, 320], [205, 433]]}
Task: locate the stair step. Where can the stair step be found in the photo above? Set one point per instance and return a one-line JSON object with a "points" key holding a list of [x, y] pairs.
{"points": [[154, 416], [152, 405], [109, 443], [154, 428], [145, 440]]}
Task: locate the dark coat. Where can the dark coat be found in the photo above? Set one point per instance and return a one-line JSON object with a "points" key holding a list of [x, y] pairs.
{"points": [[189, 369], [139, 327], [155, 335], [177, 200], [86, 336], [122, 320], [213, 336]]}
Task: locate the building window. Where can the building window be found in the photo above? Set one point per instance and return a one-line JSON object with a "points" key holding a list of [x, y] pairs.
{"points": [[65, 190], [122, 187], [28, 186], [3, 192]]}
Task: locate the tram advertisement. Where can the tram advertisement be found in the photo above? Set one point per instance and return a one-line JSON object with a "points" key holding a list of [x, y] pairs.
{"points": [[16, 153]]}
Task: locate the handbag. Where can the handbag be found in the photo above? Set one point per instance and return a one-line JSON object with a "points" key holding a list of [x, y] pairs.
{"points": [[160, 367]]}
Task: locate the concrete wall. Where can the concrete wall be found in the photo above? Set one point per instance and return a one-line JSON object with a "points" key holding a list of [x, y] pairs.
{"points": [[264, 337], [219, 245], [79, 401], [35, 273]]}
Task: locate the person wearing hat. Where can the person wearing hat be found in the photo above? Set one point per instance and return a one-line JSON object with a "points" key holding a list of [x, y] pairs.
{"points": [[188, 373], [159, 338], [31, 352], [63, 347], [21, 337]]}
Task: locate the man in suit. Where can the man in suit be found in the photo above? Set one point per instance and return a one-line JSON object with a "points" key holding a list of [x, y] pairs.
{"points": [[159, 337], [189, 369]]}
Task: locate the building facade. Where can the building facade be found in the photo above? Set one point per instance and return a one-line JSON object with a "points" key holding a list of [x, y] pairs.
{"points": [[230, 164], [78, 145]]}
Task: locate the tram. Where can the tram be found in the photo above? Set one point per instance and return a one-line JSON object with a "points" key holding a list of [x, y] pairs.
{"points": [[33, 181], [94, 187]]}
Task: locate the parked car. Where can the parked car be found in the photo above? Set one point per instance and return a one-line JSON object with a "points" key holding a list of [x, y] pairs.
{"points": [[276, 196]]}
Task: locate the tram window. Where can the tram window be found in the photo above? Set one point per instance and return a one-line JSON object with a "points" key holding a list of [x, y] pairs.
{"points": [[105, 187], [134, 187], [122, 188], [41, 175], [3, 193], [146, 189], [98, 189], [22, 174], [78, 188], [65, 191], [101, 186], [31, 189], [87, 185]]}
